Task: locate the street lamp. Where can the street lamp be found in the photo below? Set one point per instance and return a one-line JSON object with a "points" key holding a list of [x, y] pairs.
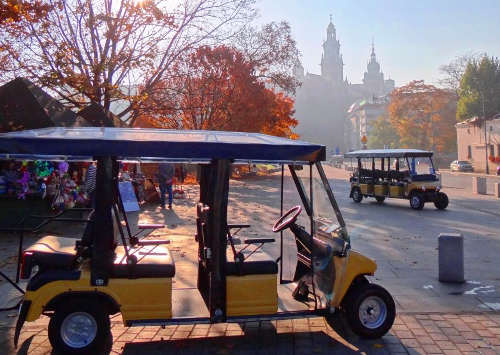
{"points": [[485, 141]]}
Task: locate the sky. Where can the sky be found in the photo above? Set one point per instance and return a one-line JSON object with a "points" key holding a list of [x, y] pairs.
{"points": [[412, 38]]}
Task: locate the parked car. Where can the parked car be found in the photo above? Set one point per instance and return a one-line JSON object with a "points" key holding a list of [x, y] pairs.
{"points": [[461, 165]]}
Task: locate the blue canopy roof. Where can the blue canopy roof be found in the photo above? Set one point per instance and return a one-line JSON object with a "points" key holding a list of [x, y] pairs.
{"points": [[155, 145], [388, 153]]}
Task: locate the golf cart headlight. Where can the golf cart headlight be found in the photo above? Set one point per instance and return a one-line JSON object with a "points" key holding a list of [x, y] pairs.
{"points": [[423, 187], [438, 188]]}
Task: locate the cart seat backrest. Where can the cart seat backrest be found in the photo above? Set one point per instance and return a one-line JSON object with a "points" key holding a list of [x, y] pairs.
{"points": [[259, 263], [88, 235]]}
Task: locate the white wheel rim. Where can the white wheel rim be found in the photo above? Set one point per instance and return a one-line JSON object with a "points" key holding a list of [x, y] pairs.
{"points": [[415, 201], [372, 312], [78, 330]]}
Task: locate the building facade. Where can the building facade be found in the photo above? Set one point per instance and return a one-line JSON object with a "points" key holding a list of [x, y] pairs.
{"points": [[472, 145], [323, 100], [360, 116]]}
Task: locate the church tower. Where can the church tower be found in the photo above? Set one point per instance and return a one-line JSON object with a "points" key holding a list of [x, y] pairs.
{"points": [[373, 81], [332, 65]]}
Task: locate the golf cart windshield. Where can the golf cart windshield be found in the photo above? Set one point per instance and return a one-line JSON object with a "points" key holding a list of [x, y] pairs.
{"points": [[327, 228], [421, 168]]}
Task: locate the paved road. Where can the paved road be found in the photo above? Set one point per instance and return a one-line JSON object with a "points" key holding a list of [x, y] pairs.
{"points": [[404, 243]]}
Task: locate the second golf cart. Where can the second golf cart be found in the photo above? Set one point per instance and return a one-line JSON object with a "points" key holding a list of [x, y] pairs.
{"points": [[396, 173]]}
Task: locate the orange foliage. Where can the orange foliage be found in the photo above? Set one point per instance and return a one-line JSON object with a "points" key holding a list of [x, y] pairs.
{"points": [[424, 117], [13, 11], [217, 89]]}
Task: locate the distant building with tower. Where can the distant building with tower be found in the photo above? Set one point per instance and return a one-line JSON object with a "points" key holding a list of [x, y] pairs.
{"points": [[322, 102]]}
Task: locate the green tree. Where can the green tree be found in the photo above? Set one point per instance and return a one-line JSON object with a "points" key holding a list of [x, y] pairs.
{"points": [[479, 85], [383, 134]]}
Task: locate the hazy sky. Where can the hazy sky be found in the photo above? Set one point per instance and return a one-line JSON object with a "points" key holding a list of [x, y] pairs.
{"points": [[412, 38]]}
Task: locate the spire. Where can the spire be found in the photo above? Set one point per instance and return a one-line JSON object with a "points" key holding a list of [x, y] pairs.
{"points": [[373, 55]]}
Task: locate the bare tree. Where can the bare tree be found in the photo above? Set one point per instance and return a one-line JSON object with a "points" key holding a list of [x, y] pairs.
{"points": [[452, 72], [87, 50], [273, 52]]}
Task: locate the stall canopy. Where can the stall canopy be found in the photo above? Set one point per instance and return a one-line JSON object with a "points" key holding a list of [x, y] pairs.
{"points": [[97, 116], [23, 105]]}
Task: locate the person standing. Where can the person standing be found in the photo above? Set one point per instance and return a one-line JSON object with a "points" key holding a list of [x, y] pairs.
{"points": [[166, 172], [90, 182]]}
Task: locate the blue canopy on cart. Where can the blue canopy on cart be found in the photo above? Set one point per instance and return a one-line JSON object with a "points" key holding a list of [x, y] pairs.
{"points": [[150, 145], [388, 153]]}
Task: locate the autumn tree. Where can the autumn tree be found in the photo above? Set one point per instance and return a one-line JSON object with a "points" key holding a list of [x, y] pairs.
{"points": [[88, 50], [383, 134], [480, 89], [218, 89], [424, 117]]}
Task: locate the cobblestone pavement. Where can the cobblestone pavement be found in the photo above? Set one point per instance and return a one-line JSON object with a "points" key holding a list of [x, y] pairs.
{"points": [[411, 334]]}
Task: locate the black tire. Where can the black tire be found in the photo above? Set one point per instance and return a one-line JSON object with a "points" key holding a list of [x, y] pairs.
{"points": [[417, 201], [357, 196], [369, 311], [380, 198], [77, 316], [442, 201]]}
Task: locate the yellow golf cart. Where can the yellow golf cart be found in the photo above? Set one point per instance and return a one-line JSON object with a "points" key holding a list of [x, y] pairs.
{"points": [[79, 285], [396, 173]]}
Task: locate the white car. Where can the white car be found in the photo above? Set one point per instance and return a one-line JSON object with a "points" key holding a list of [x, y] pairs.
{"points": [[461, 165]]}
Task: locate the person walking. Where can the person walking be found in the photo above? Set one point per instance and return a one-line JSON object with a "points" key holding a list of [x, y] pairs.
{"points": [[166, 172], [90, 181]]}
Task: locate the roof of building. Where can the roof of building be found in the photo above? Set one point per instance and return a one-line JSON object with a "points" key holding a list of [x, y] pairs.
{"points": [[23, 105]]}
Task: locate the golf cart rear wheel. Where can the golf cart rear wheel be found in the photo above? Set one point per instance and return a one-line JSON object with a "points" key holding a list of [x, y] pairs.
{"points": [[417, 201], [79, 326], [442, 201], [357, 196], [369, 311], [380, 198]]}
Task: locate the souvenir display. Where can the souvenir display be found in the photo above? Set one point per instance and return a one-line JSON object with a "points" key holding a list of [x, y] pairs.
{"points": [[55, 180]]}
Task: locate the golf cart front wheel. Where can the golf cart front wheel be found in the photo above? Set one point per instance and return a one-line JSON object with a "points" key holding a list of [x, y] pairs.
{"points": [[356, 194], [79, 327], [442, 201], [417, 201], [369, 311]]}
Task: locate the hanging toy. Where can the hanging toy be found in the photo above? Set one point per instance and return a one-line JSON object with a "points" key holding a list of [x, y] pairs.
{"points": [[44, 168], [63, 168], [24, 186]]}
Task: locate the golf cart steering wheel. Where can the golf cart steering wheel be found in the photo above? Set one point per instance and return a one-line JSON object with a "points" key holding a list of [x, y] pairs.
{"points": [[287, 219]]}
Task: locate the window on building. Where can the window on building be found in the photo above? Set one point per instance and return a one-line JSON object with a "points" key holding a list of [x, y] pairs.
{"points": [[492, 149], [469, 152], [491, 128]]}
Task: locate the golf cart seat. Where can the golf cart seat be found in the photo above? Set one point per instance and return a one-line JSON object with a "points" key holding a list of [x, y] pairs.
{"points": [[260, 263], [143, 261], [58, 253], [152, 261]]}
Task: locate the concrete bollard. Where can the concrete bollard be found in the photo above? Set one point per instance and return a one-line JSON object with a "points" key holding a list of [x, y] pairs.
{"points": [[497, 190], [451, 257], [479, 185]]}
